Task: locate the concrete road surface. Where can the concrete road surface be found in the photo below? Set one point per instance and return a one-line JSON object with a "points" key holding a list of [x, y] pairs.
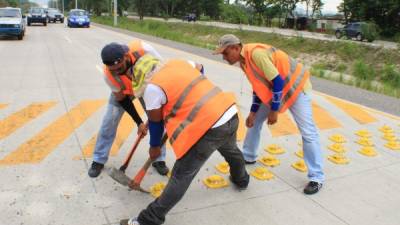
{"points": [[53, 97]]}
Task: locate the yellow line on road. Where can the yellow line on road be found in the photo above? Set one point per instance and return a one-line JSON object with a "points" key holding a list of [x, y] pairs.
{"points": [[125, 128], [43, 143], [2, 106], [22, 117], [323, 119], [354, 111], [284, 126]]}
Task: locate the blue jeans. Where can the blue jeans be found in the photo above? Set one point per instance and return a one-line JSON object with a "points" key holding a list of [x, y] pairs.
{"points": [[301, 111], [108, 130]]}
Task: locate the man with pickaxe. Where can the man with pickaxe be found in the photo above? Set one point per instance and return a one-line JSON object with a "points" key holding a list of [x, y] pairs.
{"points": [[199, 118], [119, 74]]}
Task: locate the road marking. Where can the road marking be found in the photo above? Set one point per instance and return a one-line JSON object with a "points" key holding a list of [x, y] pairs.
{"points": [[284, 126], [125, 128], [354, 111], [68, 39], [323, 119], [46, 141], [22, 117], [99, 69], [2, 106]]}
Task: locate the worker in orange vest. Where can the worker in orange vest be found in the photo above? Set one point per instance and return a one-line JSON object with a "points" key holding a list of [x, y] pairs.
{"points": [[119, 74], [199, 118], [279, 83]]}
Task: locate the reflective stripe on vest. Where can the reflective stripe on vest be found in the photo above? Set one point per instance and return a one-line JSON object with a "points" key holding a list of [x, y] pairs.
{"points": [[193, 104], [294, 79]]}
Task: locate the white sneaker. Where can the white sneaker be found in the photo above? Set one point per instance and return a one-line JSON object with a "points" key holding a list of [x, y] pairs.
{"points": [[133, 221]]}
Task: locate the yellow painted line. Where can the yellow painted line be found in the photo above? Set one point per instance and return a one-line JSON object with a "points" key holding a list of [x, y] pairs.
{"points": [[323, 119], [354, 111], [43, 143], [241, 132], [284, 126], [22, 117], [124, 129], [2, 106]]}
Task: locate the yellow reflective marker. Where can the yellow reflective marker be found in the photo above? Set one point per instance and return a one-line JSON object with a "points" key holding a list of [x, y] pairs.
{"points": [[300, 166], [354, 111], [337, 138], [43, 143], [262, 173], [223, 167], [363, 133], [389, 137], [323, 119], [157, 189], [22, 117], [299, 153], [125, 127], [274, 149], [368, 151], [284, 126], [338, 159], [215, 181], [365, 142], [269, 160], [2, 106], [337, 147], [393, 145], [386, 129]]}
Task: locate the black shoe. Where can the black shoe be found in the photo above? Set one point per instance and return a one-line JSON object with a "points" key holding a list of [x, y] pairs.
{"points": [[242, 185], [312, 188], [95, 169], [161, 167], [249, 162]]}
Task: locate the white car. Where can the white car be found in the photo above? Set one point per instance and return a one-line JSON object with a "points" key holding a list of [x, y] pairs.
{"points": [[12, 22]]}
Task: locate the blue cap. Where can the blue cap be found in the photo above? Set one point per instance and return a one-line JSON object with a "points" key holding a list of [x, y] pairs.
{"points": [[113, 53]]}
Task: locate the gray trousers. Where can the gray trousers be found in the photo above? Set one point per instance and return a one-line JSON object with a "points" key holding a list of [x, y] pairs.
{"points": [[223, 139]]}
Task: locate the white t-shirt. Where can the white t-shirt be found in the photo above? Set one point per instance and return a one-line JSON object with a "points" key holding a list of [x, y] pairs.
{"points": [[154, 97], [148, 49]]}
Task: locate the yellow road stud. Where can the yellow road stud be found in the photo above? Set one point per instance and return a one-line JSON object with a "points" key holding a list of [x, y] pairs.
{"points": [[269, 160], [394, 145], [389, 137], [363, 133], [337, 138], [274, 149], [299, 153], [337, 147], [365, 142], [223, 167], [386, 129], [262, 173], [215, 181], [169, 174], [300, 166], [368, 151], [338, 159], [157, 189]]}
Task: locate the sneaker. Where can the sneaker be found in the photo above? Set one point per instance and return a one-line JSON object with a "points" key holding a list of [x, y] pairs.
{"points": [[249, 162], [312, 188], [241, 185], [161, 167], [132, 221], [95, 169]]}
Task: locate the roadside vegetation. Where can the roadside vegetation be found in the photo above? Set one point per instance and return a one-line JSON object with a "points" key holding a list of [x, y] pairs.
{"points": [[371, 68]]}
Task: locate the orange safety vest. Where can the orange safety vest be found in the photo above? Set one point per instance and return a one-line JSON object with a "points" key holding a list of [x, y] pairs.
{"points": [[293, 73], [194, 104], [124, 82]]}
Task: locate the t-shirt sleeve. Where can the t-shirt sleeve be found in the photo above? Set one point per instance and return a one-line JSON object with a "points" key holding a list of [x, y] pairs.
{"points": [[154, 97], [264, 62]]}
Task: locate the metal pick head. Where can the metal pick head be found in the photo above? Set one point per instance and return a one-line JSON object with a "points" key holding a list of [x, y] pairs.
{"points": [[119, 176]]}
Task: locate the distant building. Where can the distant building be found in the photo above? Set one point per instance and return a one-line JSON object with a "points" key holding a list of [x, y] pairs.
{"points": [[331, 22]]}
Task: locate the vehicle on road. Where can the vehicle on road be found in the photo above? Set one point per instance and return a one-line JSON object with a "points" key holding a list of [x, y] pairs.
{"points": [[78, 18], [12, 22], [37, 15], [190, 17], [354, 30], [54, 15]]}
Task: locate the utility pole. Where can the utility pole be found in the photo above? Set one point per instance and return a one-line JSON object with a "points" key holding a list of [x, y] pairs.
{"points": [[76, 4], [115, 12], [62, 6]]}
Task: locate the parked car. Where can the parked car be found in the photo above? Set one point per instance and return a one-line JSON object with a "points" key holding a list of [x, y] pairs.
{"points": [[351, 30], [78, 18], [12, 22], [190, 17], [37, 15], [54, 15]]}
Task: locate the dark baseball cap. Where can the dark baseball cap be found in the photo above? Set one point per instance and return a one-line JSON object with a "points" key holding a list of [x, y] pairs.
{"points": [[113, 53]]}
